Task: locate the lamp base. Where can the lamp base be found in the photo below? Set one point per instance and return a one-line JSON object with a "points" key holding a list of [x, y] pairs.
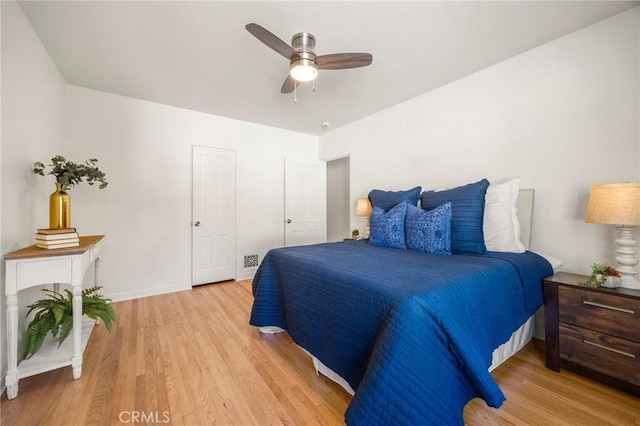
{"points": [[630, 282], [626, 256]]}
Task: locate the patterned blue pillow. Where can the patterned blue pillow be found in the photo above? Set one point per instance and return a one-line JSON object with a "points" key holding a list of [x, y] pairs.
{"points": [[386, 200], [467, 214], [387, 229], [429, 231]]}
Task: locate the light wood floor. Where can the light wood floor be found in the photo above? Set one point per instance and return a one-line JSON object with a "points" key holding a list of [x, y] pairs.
{"points": [[190, 358]]}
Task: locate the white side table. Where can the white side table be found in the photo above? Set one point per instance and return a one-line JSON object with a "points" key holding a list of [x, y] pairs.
{"points": [[32, 266]]}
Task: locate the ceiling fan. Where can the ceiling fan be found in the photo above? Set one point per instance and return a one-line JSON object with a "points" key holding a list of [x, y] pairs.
{"points": [[303, 61]]}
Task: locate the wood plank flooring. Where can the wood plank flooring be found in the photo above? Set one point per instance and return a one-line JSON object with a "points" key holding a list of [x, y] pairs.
{"points": [[190, 358]]}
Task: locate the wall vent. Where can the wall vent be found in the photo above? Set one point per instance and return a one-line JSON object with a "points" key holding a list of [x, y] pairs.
{"points": [[251, 261]]}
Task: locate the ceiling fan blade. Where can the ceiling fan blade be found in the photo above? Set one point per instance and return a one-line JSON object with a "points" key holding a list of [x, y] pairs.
{"points": [[272, 41], [340, 61], [289, 85]]}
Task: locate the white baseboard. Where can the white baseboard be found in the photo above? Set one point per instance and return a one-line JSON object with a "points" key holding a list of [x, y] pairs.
{"points": [[137, 294], [246, 275]]}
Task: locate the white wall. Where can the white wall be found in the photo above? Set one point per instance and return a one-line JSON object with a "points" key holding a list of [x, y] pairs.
{"points": [[32, 129], [563, 116], [145, 150]]}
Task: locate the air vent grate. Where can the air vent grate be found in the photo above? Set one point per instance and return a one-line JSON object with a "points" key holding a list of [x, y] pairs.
{"points": [[251, 261]]}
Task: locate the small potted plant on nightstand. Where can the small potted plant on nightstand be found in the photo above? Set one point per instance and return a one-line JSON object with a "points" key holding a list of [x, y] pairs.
{"points": [[602, 275], [355, 234]]}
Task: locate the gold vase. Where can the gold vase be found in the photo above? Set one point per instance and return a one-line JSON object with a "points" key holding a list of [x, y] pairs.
{"points": [[59, 209]]}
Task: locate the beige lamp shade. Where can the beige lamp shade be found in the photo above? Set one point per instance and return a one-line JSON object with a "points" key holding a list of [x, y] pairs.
{"points": [[615, 204], [364, 207]]}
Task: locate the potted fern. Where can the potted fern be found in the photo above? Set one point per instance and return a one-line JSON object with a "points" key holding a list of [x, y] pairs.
{"points": [[54, 314]]}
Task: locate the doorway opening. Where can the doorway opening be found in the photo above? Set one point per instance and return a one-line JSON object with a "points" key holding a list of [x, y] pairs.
{"points": [[338, 196]]}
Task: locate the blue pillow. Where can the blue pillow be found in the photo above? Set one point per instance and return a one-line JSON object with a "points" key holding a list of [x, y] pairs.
{"points": [[467, 214], [429, 231], [387, 229], [386, 200]]}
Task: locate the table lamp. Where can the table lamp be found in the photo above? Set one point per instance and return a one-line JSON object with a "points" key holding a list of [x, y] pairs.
{"points": [[364, 210], [619, 204]]}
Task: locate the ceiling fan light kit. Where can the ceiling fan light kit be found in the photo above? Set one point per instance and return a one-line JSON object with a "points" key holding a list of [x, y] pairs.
{"points": [[304, 67], [303, 70], [303, 61]]}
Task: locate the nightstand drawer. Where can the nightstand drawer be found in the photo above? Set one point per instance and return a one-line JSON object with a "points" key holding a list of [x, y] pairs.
{"points": [[610, 355], [618, 316]]}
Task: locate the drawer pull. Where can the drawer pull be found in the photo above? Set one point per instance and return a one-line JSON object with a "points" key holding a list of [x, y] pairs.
{"points": [[609, 349], [613, 308]]}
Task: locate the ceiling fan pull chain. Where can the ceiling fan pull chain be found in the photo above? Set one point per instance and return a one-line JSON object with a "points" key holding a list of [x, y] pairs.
{"points": [[295, 93]]}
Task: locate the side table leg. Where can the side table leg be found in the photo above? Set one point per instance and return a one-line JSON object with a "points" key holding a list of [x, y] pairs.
{"points": [[96, 271], [12, 346], [96, 276], [76, 360]]}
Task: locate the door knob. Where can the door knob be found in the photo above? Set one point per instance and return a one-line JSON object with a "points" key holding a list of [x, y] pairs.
{"points": [[197, 223], [288, 220]]}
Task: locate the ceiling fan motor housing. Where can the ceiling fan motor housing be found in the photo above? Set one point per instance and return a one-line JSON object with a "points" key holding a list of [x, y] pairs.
{"points": [[304, 67], [303, 42]]}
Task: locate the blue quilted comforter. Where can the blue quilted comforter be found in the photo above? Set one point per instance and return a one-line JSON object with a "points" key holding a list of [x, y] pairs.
{"points": [[411, 332]]}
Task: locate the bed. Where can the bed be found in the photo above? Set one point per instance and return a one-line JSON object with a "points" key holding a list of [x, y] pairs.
{"points": [[411, 334]]}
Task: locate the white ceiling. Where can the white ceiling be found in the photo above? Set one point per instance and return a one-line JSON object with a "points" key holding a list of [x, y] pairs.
{"points": [[198, 55]]}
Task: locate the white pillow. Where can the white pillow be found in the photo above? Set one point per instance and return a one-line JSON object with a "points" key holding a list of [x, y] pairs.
{"points": [[501, 227], [554, 261]]}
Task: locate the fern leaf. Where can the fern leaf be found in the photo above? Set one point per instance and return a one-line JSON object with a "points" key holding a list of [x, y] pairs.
{"points": [[35, 334], [102, 311], [65, 329], [58, 313]]}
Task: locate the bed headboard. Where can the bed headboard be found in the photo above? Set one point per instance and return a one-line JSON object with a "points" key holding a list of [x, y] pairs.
{"points": [[524, 204]]}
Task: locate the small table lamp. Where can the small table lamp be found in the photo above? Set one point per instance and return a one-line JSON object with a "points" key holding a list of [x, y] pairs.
{"points": [[619, 204], [364, 210]]}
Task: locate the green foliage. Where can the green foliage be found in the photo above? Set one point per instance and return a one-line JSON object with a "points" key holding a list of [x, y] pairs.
{"points": [[599, 268], [54, 315], [599, 274], [69, 174]]}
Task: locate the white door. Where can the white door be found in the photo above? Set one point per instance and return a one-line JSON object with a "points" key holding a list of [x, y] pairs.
{"points": [[214, 215], [305, 202]]}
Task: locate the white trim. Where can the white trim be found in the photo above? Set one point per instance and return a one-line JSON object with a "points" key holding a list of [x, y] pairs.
{"points": [[337, 157], [137, 294], [246, 274]]}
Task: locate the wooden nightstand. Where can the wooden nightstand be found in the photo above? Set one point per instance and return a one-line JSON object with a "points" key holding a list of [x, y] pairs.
{"points": [[595, 332]]}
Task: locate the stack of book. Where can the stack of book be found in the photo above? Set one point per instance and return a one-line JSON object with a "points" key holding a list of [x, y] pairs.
{"points": [[53, 238]]}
